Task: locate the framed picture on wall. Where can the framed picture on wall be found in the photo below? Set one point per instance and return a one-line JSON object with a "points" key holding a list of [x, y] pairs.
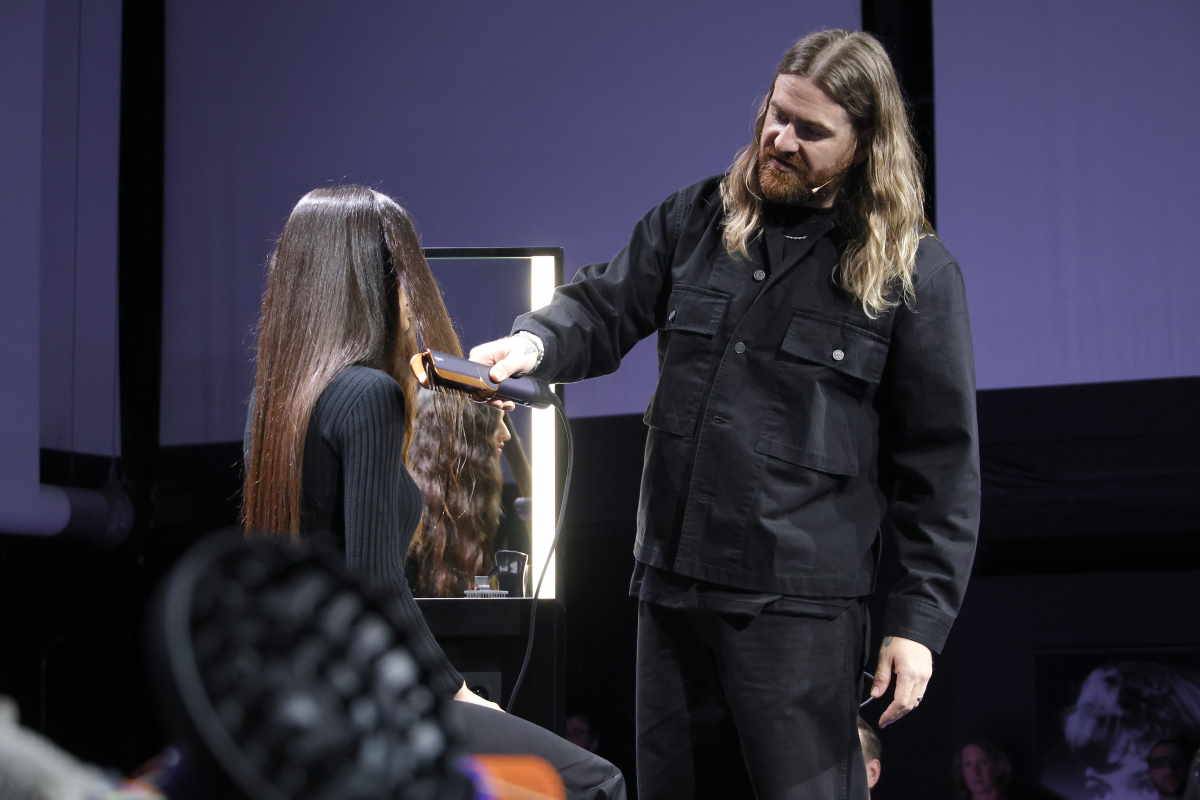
{"points": [[1100, 712]]}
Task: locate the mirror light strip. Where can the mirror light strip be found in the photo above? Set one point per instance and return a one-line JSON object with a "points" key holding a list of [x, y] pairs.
{"points": [[542, 455]]}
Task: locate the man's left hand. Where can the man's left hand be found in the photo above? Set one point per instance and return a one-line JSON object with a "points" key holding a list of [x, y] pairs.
{"points": [[912, 664]]}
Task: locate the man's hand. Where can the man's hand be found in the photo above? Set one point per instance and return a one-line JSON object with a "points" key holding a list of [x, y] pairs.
{"points": [[465, 695], [912, 664], [512, 355]]}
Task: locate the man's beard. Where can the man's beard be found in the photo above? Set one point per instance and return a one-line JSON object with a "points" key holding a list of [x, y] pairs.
{"points": [[794, 187], [783, 185]]}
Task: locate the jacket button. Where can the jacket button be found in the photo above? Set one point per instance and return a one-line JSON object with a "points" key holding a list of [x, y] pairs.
{"points": [[671, 316], [760, 274], [838, 354], [739, 348]]}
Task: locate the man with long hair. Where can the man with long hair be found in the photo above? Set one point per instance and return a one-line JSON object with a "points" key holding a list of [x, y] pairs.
{"points": [[815, 378]]}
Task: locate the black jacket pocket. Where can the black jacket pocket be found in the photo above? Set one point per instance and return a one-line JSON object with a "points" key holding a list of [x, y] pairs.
{"points": [[687, 353], [840, 460], [852, 351], [693, 309]]}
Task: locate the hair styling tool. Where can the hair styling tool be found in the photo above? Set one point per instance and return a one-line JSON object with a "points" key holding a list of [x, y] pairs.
{"points": [[442, 371]]}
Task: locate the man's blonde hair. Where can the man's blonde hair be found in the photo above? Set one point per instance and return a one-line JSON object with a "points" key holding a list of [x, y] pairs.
{"points": [[881, 204]]}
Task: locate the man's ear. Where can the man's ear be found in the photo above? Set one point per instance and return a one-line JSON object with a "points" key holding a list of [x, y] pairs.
{"points": [[874, 770]]}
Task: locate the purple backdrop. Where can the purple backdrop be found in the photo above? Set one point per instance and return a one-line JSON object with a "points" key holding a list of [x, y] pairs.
{"points": [[1064, 184], [79, 381], [1068, 184], [22, 38], [58, 136], [537, 123]]}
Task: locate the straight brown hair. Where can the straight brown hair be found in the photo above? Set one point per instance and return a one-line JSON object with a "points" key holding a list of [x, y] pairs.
{"points": [[347, 284]]}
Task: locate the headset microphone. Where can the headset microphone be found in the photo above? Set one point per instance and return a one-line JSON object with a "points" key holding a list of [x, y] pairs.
{"points": [[826, 183], [440, 370]]}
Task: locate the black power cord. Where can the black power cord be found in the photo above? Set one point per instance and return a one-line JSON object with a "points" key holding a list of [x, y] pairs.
{"points": [[561, 416]]}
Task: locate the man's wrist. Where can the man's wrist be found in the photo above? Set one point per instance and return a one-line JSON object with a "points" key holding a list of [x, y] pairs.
{"points": [[535, 342], [917, 622]]}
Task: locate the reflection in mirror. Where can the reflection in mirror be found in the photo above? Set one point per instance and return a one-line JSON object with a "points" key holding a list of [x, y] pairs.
{"points": [[454, 456], [502, 493]]}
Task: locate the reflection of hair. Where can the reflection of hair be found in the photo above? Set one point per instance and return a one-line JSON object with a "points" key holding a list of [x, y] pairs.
{"points": [[458, 471], [1001, 765], [347, 284], [1123, 708], [881, 204], [872, 747]]}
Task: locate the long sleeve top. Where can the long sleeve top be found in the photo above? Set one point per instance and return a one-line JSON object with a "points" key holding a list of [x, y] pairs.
{"points": [[358, 496]]}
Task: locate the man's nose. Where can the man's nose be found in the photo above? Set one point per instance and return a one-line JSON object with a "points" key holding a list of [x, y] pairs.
{"points": [[787, 141]]}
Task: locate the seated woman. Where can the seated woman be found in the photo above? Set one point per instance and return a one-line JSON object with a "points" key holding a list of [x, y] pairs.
{"points": [[349, 297]]}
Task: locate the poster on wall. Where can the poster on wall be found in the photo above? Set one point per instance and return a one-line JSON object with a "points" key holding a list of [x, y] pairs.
{"points": [[1101, 713]]}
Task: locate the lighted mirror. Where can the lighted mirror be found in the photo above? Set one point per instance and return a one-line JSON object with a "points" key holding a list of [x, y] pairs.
{"points": [[485, 289]]}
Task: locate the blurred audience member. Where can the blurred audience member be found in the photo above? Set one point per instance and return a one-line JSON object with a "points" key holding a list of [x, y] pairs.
{"points": [[872, 750], [582, 732], [1192, 792], [982, 771], [1167, 766], [34, 768]]}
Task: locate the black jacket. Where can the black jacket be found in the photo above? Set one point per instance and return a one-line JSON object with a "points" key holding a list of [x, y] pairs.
{"points": [[786, 422]]}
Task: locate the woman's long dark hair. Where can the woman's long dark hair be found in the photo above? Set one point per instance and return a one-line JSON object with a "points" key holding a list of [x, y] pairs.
{"points": [[458, 470], [347, 284]]}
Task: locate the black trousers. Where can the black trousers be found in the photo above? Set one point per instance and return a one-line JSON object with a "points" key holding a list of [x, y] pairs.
{"points": [[765, 706], [586, 775]]}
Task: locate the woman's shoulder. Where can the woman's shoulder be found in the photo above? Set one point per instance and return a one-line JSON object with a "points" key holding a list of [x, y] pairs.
{"points": [[358, 394], [359, 379]]}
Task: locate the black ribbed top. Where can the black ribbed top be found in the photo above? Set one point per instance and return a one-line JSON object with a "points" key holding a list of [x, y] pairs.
{"points": [[357, 493]]}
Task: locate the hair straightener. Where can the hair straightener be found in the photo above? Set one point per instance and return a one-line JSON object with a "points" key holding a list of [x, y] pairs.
{"points": [[435, 370]]}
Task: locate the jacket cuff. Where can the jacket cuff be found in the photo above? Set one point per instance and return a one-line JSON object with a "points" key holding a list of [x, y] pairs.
{"points": [[921, 622], [549, 345]]}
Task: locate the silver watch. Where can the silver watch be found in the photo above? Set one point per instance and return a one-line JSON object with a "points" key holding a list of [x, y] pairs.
{"points": [[536, 342]]}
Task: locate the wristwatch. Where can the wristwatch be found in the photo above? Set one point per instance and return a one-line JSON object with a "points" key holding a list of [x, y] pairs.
{"points": [[534, 341]]}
